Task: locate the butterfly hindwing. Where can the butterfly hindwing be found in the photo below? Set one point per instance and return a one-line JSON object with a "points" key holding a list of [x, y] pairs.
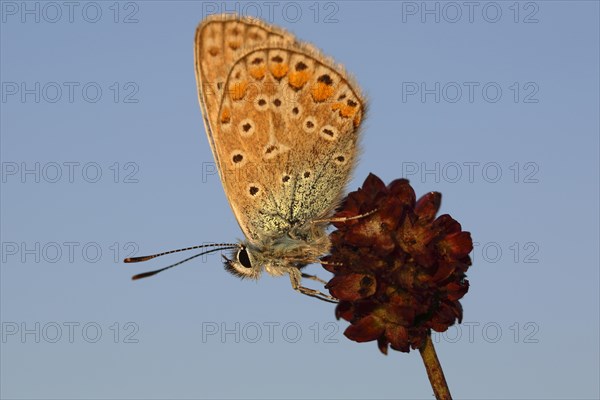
{"points": [[287, 133]]}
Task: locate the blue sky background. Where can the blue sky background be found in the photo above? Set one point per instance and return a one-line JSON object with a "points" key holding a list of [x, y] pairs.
{"points": [[519, 171]]}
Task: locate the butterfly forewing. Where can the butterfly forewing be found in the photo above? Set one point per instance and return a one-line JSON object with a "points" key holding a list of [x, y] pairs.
{"points": [[219, 41]]}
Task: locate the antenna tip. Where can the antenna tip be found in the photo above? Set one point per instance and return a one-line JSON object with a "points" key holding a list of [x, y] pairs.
{"points": [[145, 275], [138, 259]]}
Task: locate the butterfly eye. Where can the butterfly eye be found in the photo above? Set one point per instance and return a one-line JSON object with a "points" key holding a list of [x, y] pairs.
{"points": [[244, 258]]}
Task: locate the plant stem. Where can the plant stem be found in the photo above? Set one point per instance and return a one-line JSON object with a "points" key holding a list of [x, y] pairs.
{"points": [[434, 370]]}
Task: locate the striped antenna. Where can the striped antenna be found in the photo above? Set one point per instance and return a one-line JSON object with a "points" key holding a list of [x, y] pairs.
{"points": [[146, 258], [151, 273]]}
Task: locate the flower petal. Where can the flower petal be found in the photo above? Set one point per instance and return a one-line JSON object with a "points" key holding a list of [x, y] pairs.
{"points": [[383, 343], [365, 330], [428, 205], [398, 338], [344, 310], [445, 224], [352, 286], [401, 189], [373, 184], [456, 245]]}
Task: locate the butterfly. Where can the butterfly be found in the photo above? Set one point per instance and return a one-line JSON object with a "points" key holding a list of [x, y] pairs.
{"points": [[283, 123]]}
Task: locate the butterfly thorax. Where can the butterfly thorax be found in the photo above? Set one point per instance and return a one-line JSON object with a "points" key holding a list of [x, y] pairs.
{"points": [[295, 249]]}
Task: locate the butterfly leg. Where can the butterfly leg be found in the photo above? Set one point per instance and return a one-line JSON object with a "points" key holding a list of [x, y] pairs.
{"points": [[344, 219], [295, 278], [318, 295], [336, 264], [314, 278]]}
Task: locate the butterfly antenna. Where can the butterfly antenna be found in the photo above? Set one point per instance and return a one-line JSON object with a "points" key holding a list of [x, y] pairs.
{"points": [[151, 273], [146, 258]]}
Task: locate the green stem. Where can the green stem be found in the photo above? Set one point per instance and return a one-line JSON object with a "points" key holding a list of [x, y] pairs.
{"points": [[434, 370]]}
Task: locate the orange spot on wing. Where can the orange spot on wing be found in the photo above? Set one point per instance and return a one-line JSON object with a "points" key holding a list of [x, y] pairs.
{"points": [[234, 45], [297, 79], [345, 110], [321, 91], [279, 70], [257, 72], [213, 51], [237, 90], [225, 116], [357, 119]]}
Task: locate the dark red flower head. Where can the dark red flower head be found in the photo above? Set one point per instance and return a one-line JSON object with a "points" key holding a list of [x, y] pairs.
{"points": [[400, 271]]}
